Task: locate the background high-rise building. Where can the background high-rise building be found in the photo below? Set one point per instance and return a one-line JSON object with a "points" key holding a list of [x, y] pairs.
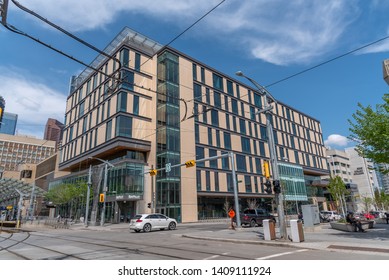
{"points": [[53, 131], [2, 106], [8, 123]]}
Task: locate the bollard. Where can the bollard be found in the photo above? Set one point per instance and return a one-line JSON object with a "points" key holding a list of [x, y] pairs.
{"points": [[296, 230], [269, 230]]}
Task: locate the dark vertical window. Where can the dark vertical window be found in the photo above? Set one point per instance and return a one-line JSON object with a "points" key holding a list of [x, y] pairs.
{"points": [[257, 100], [217, 138], [234, 105], [242, 125], [124, 57], [207, 181], [227, 140], [217, 99], [228, 121], [198, 179], [215, 117], [213, 163], [197, 133], [127, 80], [135, 107], [218, 82], [216, 177], [230, 89], [122, 102], [124, 126], [137, 61], [245, 144], [200, 155], [247, 184], [194, 71], [197, 92], [210, 136], [241, 163], [202, 75], [108, 132]]}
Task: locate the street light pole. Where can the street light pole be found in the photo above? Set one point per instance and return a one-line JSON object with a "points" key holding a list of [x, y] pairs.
{"points": [[272, 148], [89, 183], [105, 188]]}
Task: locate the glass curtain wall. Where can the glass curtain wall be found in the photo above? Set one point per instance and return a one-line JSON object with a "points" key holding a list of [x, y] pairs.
{"points": [[168, 136], [293, 185]]}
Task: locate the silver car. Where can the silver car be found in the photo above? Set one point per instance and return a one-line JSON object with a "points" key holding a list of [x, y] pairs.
{"points": [[148, 222]]}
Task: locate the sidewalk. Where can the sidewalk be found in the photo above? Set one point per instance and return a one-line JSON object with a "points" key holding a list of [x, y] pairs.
{"points": [[323, 237]]}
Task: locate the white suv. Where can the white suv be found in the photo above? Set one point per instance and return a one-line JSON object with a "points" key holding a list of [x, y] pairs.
{"points": [[330, 215]]}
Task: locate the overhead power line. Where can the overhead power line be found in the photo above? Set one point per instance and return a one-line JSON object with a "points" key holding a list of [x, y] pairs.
{"points": [[328, 61]]}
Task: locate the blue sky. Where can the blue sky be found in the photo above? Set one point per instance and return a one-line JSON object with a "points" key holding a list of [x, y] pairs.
{"points": [[267, 40]]}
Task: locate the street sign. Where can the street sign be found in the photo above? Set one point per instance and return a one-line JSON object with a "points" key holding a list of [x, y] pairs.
{"points": [[168, 167]]}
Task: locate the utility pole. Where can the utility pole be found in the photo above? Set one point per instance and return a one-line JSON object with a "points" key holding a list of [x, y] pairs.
{"points": [[19, 207], [267, 108], [31, 206], [3, 11], [89, 183]]}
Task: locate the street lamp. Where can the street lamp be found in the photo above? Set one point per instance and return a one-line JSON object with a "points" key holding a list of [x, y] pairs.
{"points": [[106, 163], [268, 98]]}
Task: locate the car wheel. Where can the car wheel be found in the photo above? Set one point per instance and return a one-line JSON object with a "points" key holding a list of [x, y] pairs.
{"points": [[137, 230], [252, 223], [172, 226], [147, 228]]}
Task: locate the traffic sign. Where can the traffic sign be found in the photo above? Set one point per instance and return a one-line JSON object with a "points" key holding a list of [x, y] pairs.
{"points": [[168, 167], [231, 213]]}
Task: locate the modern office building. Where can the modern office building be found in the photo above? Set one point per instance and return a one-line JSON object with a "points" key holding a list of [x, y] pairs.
{"points": [[383, 177], [150, 107], [53, 131], [8, 123]]}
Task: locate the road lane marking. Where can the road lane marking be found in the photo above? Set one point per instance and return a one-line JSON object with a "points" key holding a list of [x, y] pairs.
{"points": [[281, 254]]}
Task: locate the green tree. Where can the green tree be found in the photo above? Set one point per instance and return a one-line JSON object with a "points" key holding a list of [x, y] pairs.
{"points": [[337, 189], [367, 203], [370, 130]]}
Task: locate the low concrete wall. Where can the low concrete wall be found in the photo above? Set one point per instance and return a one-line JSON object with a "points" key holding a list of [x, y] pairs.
{"points": [[349, 227]]}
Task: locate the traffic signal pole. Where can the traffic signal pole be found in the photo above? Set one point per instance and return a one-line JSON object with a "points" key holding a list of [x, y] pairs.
{"points": [[267, 109], [191, 163]]}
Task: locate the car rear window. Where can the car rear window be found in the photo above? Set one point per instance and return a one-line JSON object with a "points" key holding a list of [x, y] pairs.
{"points": [[137, 217]]}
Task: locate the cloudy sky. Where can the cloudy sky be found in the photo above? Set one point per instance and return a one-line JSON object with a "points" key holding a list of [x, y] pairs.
{"points": [[267, 40]]}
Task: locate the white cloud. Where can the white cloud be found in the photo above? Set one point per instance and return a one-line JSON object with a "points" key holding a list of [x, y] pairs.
{"points": [[32, 101], [336, 140], [280, 32]]}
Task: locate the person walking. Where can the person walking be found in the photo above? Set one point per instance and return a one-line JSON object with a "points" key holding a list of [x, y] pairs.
{"points": [[387, 217]]}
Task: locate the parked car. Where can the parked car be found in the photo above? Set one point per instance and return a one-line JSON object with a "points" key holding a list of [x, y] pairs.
{"points": [[330, 215], [149, 222], [253, 217], [376, 214], [369, 216]]}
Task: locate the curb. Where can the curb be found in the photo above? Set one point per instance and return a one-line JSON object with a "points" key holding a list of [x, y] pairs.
{"points": [[259, 242]]}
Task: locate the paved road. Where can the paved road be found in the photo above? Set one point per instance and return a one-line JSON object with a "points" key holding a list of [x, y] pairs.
{"points": [[188, 242]]}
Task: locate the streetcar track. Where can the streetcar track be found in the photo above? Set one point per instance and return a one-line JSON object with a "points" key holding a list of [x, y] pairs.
{"points": [[142, 251]]}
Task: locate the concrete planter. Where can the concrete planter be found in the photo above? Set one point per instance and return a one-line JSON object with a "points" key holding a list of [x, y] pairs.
{"points": [[348, 227]]}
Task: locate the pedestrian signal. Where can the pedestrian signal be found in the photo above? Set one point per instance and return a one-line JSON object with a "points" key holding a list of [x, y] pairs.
{"points": [[101, 198], [153, 172], [277, 186], [268, 187], [149, 205]]}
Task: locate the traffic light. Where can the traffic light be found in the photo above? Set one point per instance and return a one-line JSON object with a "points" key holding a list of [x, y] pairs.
{"points": [[190, 163], [149, 205], [266, 169], [277, 186], [268, 187], [153, 172], [101, 197]]}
